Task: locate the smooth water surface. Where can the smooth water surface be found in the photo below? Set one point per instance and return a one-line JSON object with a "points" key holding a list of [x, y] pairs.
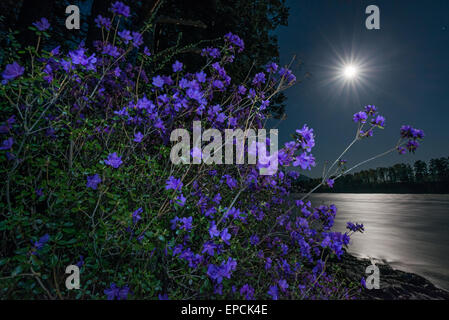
{"points": [[408, 231]]}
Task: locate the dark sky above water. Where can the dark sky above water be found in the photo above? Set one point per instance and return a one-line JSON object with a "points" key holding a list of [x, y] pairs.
{"points": [[405, 74]]}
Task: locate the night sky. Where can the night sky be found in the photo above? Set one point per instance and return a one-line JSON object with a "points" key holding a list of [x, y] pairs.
{"points": [[405, 73]]}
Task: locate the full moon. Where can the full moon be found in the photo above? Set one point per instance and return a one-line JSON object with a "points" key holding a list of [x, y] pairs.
{"points": [[350, 72]]}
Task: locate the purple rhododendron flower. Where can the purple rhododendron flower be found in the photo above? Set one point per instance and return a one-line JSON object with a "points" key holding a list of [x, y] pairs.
{"points": [[113, 160], [307, 138], [173, 183], [305, 161], [412, 145], [12, 71], [378, 121], [247, 291], [264, 104], [174, 223], [409, 132], [366, 134], [272, 67], [120, 8], [218, 84], [117, 71], [93, 181], [137, 39], [201, 76], [225, 270], [146, 51], [360, 117], [114, 292], [225, 236], [80, 263], [38, 245], [406, 131], [125, 35], [230, 181], [259, 78], [136, 215], [158, 82], [212, 52], [55, 51], [79, 58], [418, 134], [327, 242], [123, 293], [213, 272], [7, 144], [102, 22], [370, 110], [42, 24], [111, 50], [287, 75], [186, 223], [330, 183], [217, 198], [273, 292], [254, 239], [209, 248], [177, 66], [363, 282], [283, 284], [213, 231], [138, 137], [11, 120], [234, 39], [268, 262], [181, 200], [145, 104]]}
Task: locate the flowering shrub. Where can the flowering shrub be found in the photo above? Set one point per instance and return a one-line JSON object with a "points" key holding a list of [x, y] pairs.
{"points": [[85, 160]]}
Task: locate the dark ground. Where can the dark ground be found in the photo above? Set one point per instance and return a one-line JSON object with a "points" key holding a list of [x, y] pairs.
{"points": [[394, 284]]}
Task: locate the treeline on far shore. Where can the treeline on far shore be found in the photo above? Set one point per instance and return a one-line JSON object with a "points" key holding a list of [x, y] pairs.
{"points": [[422, 177]]}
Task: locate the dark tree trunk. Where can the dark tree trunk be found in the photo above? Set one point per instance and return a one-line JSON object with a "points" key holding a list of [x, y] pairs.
{"points": [[98, 7]]}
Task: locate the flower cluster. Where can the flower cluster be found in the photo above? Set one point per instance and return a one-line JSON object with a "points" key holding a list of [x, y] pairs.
{"points": [[103, 122], [377, 121], [119, 293], [39, 244], [371, 116], [42, 24], [12, 71], [412, 136]]}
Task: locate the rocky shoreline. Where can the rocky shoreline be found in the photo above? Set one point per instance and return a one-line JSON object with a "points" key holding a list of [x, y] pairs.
{"points": [[394, 284]]}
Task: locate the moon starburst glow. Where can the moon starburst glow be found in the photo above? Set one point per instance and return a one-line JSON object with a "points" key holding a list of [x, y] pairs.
{"points": [[350, 72]]}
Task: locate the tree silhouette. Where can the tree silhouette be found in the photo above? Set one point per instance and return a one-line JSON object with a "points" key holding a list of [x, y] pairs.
{"points": [[399, 178], [420, 171]]}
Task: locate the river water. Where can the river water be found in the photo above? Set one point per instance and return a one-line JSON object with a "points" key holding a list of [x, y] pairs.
{"points": [[408, 231]]}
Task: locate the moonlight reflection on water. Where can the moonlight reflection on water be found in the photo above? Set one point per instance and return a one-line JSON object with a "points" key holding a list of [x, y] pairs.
{"points": [[408, 231]]}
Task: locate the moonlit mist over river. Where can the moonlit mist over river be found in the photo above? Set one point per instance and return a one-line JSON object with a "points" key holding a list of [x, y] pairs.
{"points": [[408, 231]]}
